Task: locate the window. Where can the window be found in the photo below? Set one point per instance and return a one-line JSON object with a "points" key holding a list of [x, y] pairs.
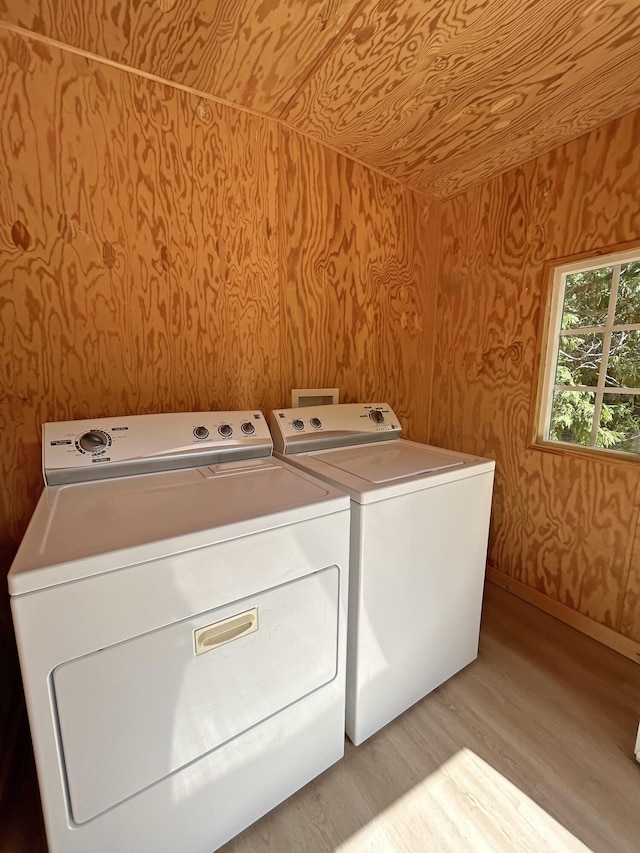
{"points": [[591, 373]]}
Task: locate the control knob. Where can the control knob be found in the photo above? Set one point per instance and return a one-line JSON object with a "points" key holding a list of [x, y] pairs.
{"points": [[225, 430], [297, 424], [316, 423], [376, 416], [94, 441], [201, 432], [247, 428]]}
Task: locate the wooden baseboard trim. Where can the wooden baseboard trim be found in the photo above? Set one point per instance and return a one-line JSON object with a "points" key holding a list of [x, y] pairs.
{"points": [[607, 636]]}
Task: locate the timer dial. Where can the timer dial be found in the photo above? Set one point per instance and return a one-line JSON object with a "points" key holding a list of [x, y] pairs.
{"points": [[376, 416], [94, 441], [225, 430]]}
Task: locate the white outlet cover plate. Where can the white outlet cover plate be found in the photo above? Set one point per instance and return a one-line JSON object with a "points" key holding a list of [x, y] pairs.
{"points": [[314, 397]]}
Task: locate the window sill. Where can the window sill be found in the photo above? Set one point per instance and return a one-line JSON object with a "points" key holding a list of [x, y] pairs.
{"points": [[557, 448]]}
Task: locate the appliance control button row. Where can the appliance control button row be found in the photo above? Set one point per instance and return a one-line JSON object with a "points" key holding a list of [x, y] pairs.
{"points": [[225, 430]]}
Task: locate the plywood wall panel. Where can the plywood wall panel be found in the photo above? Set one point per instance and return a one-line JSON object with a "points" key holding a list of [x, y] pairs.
{"points": [[441, 95], [358, 286], [138, 231], [252, 53], [575, 546], [587, 194], [563, 525], [630, 622], [151, 240]]}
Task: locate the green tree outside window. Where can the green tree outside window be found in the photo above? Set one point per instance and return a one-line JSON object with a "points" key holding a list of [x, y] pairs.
{"points": [[598, 359]]}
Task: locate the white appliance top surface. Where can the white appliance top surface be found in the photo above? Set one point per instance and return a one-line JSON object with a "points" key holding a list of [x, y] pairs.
{"points": [[81, 529], [387, 469], [384, 463]]}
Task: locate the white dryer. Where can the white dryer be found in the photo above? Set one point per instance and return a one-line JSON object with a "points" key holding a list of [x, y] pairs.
{"points": [[419, 531], [179, 601]]}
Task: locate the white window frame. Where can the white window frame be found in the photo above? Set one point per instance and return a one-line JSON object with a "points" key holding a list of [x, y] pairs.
{"points": [[551, 348]]}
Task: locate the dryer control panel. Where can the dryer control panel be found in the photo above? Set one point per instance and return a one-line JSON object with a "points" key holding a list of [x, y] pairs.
{"points": [[312, 428], [75, 451]]}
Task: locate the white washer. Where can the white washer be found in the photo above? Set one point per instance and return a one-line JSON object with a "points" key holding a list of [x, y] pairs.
{"points": [[419, 531], [182, 633]]}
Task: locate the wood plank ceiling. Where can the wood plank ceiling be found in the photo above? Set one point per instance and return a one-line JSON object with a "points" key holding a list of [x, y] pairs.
{"points": [[439, 94]]}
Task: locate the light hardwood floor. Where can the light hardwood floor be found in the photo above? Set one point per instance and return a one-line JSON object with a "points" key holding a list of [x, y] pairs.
{"points": [[530, 748]]}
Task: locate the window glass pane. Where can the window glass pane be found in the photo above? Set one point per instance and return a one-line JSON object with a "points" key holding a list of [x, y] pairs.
{"points": [[623, 366], [579, 358], [620, 423], [572, 416], [628, 302], [586, 298]]}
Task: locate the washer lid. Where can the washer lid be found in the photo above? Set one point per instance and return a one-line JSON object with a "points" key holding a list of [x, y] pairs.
{"points": [[388, 462], [388, 469], [82, 529]]}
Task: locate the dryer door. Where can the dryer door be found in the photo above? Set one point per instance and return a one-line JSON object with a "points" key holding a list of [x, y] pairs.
{"points": [[133, 713]]}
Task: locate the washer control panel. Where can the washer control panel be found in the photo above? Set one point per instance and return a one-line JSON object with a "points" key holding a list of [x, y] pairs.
{"points": [[73, 451], [312, 428]]}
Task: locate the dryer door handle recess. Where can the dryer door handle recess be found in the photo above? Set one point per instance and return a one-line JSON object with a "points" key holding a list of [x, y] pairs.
{"points": [[212, 636]]}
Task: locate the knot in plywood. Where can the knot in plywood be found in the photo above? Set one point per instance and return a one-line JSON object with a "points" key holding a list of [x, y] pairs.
{"points": [[496, 364], [109, 256], [20, 235]]}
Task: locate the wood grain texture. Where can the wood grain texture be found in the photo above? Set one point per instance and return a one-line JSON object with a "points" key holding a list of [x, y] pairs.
{"points": [[145, 264], [630, 626], [138, 236], [440, 95], [254, 53], [614, 640], [359, 282], [562, 524]]}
